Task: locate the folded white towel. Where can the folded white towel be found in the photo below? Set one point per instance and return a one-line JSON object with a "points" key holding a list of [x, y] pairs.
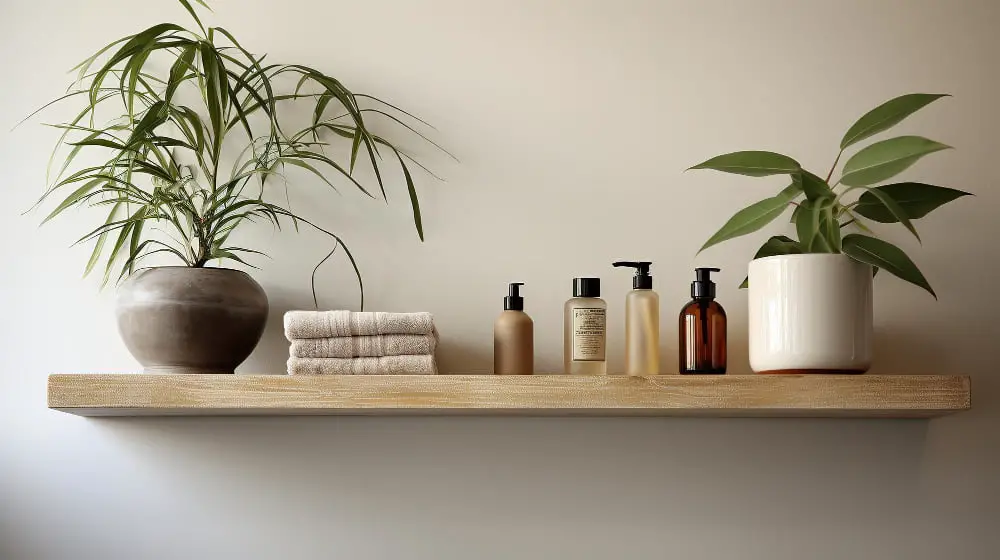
{"points": [[328, 324], [364, 346], [384, 365]]}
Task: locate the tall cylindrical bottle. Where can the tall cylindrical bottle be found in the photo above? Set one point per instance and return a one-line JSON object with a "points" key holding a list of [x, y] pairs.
{"points": [[585, 329], [513, 337], [642, 323], [702, 329]]}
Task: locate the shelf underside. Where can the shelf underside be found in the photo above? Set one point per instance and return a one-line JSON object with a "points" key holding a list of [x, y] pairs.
{"points": [[858, 396]]}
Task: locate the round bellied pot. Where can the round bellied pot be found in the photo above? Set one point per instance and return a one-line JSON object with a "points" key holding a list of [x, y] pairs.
{"points": [[810, 314], [191, 320]]}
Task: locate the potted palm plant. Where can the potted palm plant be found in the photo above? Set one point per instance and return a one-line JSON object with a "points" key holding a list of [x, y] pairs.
{"points": [[810, 297], [195, 150]]}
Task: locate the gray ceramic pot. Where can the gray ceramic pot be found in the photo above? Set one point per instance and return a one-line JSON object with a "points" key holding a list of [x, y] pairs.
{"points": [[191, 320]]}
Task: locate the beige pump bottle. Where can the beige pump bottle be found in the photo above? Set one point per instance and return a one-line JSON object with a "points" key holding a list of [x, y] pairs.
{"points": [[513, 337], [642, 323]]}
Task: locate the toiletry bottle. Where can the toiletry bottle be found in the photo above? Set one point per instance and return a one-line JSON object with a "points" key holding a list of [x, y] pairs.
{"points": [[702, 344], [585, 329], [513, 337], [642, 323]]}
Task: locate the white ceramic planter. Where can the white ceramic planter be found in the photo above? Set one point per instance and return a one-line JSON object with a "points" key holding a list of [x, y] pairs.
{"points": [[810, 314]]}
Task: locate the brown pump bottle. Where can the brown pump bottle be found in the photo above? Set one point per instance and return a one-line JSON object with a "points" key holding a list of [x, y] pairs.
{"points": [[702, 329], [514, 337]]}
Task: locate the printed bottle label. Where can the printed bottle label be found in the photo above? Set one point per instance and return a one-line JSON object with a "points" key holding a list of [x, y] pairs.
{"points": [[589, 324]]}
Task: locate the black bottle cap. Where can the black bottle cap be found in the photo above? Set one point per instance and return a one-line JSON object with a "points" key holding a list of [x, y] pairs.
{"points": [[703, 287], [587, 287], [642, 280], [514, 301]]}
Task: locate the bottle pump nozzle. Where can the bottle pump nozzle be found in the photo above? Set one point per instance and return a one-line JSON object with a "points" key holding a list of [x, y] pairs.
{"points": [[703, 287], [642, 280], [514, 301]]}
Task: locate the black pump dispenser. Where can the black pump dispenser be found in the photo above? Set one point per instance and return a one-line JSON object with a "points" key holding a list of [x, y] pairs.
{"points": [[642, 280], [703, 287], [514, 301]]}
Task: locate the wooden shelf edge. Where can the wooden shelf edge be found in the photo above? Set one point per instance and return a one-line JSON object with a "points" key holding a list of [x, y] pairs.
{"points": [[855, 396]]}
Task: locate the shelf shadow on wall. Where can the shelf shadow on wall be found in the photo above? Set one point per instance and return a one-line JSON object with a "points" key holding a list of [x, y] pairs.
{"points": [[526, 471]]}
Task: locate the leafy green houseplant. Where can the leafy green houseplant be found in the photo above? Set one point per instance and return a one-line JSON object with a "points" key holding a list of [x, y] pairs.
{"points": [[811, 298], [193, 140], [827, 218], [196, 144]]}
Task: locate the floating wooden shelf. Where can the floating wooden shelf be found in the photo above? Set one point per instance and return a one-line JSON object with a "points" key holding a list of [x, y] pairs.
{"points": [[857, 396]]}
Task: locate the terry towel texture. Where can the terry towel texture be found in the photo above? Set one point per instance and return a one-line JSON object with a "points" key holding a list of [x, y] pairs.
{"points": [[329, 324], [364, 346], [384, 365]]}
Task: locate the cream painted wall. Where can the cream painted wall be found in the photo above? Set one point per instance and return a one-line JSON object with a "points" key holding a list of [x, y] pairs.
{"points": [[574, 121]]}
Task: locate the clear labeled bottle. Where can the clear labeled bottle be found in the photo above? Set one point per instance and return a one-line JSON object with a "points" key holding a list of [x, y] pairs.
{"points": [[586, 329], [513, 337], [642, 323], [702, 327]]}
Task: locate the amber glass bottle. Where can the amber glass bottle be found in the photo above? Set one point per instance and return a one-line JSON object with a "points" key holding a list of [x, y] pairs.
{"points": [[702, 329]]}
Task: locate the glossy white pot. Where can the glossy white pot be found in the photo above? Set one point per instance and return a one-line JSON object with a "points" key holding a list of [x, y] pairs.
{"points": [[810, 314]]}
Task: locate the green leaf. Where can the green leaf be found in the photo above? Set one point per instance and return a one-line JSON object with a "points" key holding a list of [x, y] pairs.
{"points": [[73, 198], [830, 228], [190, 10], [885, 159], [752, 163], [887, 256], [791, 192], [893, 207], [915, 199], [887, 115], [414, 202], [102, 142], [95, 255], [812, 185], [355, 144], [807, 225], [749, 220], [777, 245]]}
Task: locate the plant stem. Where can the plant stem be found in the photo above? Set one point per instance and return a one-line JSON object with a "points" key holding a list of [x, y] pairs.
{"points": [[834, 166]]}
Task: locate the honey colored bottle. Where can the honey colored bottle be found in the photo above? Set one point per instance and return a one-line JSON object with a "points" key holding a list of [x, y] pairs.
{"points": [[585, 333], [513, 337], [702, 328], [642, 323]]}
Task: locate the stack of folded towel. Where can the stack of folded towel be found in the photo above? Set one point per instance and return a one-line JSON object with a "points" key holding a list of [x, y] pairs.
{"points": [[365, 343]]}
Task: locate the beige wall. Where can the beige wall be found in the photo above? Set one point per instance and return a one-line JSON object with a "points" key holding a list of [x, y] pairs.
{"points": [[574, 121]]}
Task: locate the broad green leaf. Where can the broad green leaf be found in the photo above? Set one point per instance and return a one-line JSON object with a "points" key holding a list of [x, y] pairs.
{"points": [[777, 245], [791, 192], [812, 185], [808, 224], [887, 115], [883, 160], [893, 207], [795, 214], [830, 228], [915, 199], [749, 220], [752, 163], [885, 256]]}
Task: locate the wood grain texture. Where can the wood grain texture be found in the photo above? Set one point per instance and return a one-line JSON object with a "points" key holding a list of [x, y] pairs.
{"points": [[861, 396]]}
